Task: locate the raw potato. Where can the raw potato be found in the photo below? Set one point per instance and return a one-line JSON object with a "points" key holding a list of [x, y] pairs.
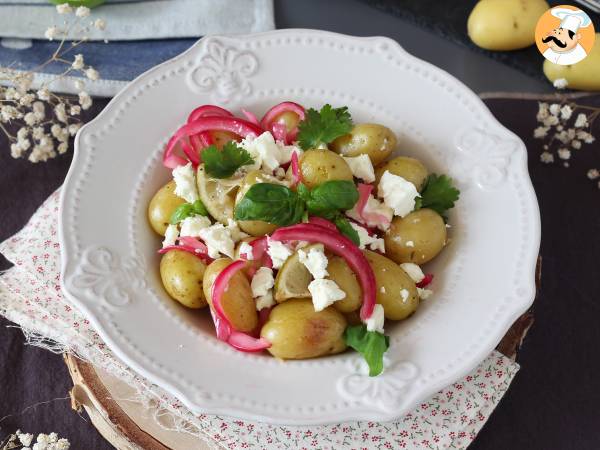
{"points": [[162, 206], [370, 139], [217, 195], [255, 227], [344, 277], [393, 280], [424, 228], [296, 331], [320, 165], [505, 24], [237, 301], [410, 169], [182, 274], [585, 75]]}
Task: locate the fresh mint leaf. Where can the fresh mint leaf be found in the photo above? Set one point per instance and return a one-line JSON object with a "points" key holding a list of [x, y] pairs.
{"points": [[438, 194], [273, 203], [328, 198], [188, 209], [322, 127], [371, 344], [224, 163], [346, 229]]}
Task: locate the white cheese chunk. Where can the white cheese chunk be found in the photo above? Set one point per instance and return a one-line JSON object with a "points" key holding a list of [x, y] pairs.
{"points": [[361, 167], [377, 319], [191, 226], [247, 251], [378, 214], [404, 294], [262, 282], [267, 153], [315, 261], [234, 230], [397, 193], [278, 252], [413, 271], [324, 292], [185, 183], [171, 235], [218, 240], [366, 240], [265, 301], [424, 294]]}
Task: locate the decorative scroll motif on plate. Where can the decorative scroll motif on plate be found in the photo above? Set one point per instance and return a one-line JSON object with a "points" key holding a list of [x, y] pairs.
{"points": [[385, 392], [484, 157], [103, 274], [224, 71]]}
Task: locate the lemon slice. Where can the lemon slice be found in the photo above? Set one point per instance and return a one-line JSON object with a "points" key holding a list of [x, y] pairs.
{"points": [[217, 195], [293, 279]]}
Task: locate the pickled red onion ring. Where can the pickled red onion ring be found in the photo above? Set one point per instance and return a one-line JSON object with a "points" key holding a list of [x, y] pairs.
{"points": [[319, 221], [186, 248], [427, 279], [364, 191], [279, 132], [251, 117], [296, 175], [268, 119], [208, 111]]}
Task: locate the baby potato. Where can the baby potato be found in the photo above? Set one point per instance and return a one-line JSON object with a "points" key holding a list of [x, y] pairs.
{"points": [[370, 139], [416, 238], [237, 301], [220, 138], [505, 24], [585, 75], [396, 291], [182, 274], [410, 169], [344, 277], [320, 165], [162, 206], [288, 118], [296, 331], [255, 227], [353, 318]]}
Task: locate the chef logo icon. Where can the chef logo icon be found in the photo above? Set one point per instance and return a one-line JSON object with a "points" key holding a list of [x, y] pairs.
{"points": [[564, 35]]}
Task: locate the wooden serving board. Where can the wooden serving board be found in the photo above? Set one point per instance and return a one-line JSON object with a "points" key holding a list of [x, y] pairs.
{"points": [[129, 426]]}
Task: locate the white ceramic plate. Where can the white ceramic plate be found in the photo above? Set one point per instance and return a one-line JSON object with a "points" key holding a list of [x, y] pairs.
{"points": [[484, 279]]}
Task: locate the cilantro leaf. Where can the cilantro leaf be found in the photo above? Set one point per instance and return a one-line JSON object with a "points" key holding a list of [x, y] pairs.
{"points": [[346, 229], [329, 197], [324, 126], [273, 203], [188, 209], [438, 194], [371, 344], [224, 163]]}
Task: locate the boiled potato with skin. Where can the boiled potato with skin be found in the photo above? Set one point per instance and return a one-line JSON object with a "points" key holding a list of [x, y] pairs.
{"points": [[237, 301], [288, 118], [411, 169], [182, 274], [321, 165], [370, 139], [296, 331], [585, 75], [344, 277], [416, 238], [162, 206], [505, 24], [220, 138], [255, 227], [396, 291]]}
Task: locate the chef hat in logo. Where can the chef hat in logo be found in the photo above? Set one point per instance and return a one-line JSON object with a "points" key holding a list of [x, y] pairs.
{"points": [[570, 19]]}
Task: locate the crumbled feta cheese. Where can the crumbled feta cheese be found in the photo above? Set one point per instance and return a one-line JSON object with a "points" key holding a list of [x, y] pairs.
{"points": [[397, 193], [410, 244], [218, 240], [262, 282], [267, 153], [424, 294], [404, 294], [377, 214], [373, 242], [278, 252], [171, 235], [234, 230], [361, 167], [375, 322], [185, 183], [246, 250], [265, 301], [315, 261], [324, 293], [191, 226], [413, 271]]}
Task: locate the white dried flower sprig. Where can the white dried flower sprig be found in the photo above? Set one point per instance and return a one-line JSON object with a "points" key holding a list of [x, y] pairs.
{"points": [[38, 123], [25, 441], [564, 129]]}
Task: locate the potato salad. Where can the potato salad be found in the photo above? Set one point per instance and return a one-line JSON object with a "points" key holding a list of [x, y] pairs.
{"points": [[302, 233]]}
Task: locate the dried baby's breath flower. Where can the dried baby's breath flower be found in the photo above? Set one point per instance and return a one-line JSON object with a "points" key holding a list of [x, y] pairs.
{"points": [[100, 24], [540, 132], [581, 121], [75, 110], [82, 11], [547, 157], [64, 8], [560, 83], [564, 153], [92, 73], [52, 33], [85, 100], [78, 62], [576, 144], [79, 85], [592, 174], [554, 109], [565, 112]]}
